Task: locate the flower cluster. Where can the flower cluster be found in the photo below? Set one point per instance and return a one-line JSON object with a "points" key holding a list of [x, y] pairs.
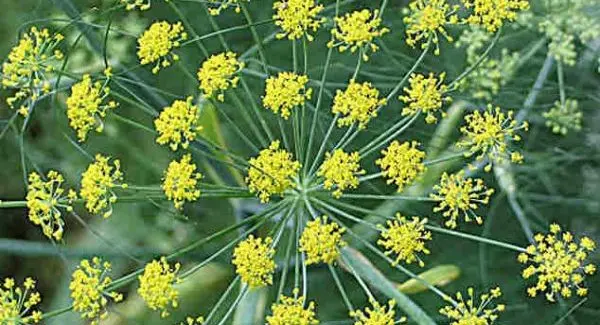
{"points": [[457, 194], [491, 14], [16, 304], [340, 170], [97, 184], [178, 124], [285, 92], [157, 42], [401, 163], [562, 118], [488, 135], [469, 313], [136, 4], [44, 200], [378, 315], [88, 286], [559, 264], [193, 321], [356, 30], [426, 19], [86, 107], [157, 286], [297, 18], [27, 65], [253, 260], [425, 94], [405, 239], [321, 241], [270, 173], [357, 104], [180, 181], [217, 74], [291, 310], [219, 5]]}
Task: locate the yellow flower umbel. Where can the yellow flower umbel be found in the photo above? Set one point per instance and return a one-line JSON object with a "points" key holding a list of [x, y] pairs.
{"points": [[357, 104], [291, 311], [357, 30], [378, 315], [178, 124], [426, 95], [157, 286], [216, 6], [271, 172], [253, 260], [457, 195], [44, 200], [321, 241], [296, 18], [559, 264], [340, 171], [469, 313], [157, 42], [285, 92], [86, 107], [402, 163], [217, 74], [426, 19], [488, 135], [180, 181], [88, 290], [136, 4], [491, 14], [405, 239], [17, 304], [97, 184], [27, 65]]}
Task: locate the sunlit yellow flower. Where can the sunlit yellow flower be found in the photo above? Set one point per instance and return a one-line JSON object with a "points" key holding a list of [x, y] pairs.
{"points": [[285, 92], [157, 286], [357, 30], [178, 124], [321, 241], [180, 181], [291, 311], [216, 6], [253, 260], [457, 194], [45, 198], [425, 94], [86, 107], [488, 135], [426, 19], [97, 184], [297, 18], [402, 163], [88, 290], [341, 171], [559, 263], [157, 42], [136, 4], [193, 321], [491, 14], [378, 315], [469, 313], [357, 104], [405, 239], [27, 66], [271, 172], [217, 74], [17, 305]]}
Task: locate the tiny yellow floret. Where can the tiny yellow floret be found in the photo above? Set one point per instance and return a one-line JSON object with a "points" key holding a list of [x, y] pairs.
{"points": [[340, 171], [457, 194], [136, 4], [321, 241], [157, 42], [357, 104], [491, 14], [469, 313], [425, 94], [180, 181], [17, 304], [291, 311], [157, 286], [253, 260], [178, 124], [402, 163], [97, 184], [271, 172], [427, 18], [217, 74], [296, 18], [378, 315], [405, 239], [285, 92], [356, 31], [217, 6]]}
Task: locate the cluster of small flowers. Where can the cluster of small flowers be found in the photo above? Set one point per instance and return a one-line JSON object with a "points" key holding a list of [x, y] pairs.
{"points": [[17, 304]]}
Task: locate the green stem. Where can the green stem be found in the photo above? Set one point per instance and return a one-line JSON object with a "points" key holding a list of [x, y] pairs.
{"points": [[13, 204], [476, 238], [472, 68]]}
